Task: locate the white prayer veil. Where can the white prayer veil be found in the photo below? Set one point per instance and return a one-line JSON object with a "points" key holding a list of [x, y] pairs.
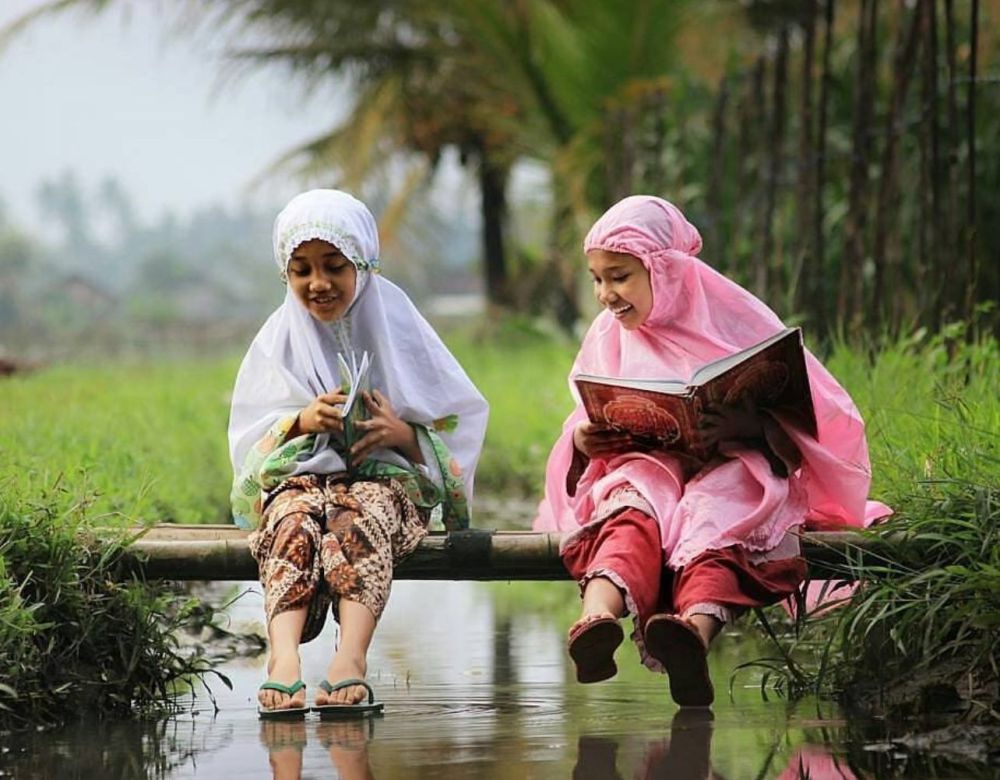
{"points": [[293, 358]]}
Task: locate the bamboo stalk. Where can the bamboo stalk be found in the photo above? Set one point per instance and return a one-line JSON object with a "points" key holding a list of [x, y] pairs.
{"points": [[972, 272], [817, 290], [886, 205], [850, 299], [768, 281], [802, 271], [953, 272], [930, 286], [221, 552]]}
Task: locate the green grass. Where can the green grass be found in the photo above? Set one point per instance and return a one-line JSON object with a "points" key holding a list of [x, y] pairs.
{"points": [[147, 441], [75, 637], [523, 374], [929, 609]]}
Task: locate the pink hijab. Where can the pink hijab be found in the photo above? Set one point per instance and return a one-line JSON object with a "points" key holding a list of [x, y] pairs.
{"points": [[699, 315]]}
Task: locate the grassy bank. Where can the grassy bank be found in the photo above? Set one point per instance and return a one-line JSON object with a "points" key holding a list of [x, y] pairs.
{"points": [[922, 635], [76, 640]]}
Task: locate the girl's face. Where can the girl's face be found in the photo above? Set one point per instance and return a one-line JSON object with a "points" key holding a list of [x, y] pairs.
{"points": [[322, 278], [621, 285]]}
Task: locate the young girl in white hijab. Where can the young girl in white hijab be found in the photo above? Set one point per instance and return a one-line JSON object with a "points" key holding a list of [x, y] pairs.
{"points": [[322, 537]]}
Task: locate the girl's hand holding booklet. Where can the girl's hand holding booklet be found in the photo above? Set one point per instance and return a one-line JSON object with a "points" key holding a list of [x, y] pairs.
{"points": [[664, 414], [354, 382]]}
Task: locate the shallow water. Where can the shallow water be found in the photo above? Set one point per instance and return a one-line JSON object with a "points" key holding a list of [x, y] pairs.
{"points": [[476, 687]]}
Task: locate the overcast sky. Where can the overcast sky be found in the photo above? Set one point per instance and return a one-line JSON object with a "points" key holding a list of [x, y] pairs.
{"points": [[120, 95]]}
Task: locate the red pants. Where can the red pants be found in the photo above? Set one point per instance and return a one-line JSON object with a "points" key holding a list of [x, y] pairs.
{"points": [[626, 549]]}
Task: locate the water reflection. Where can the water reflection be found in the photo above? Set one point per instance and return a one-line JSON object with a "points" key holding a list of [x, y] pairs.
{"points": [[685, 755], [345, 743], [815, 761], [477, 685]]}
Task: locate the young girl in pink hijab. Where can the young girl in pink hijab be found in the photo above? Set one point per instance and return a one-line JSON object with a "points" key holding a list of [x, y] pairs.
{"points": [[683, 546]]}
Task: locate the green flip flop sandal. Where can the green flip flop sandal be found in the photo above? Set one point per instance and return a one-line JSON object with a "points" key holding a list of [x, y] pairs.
{"points": [[359, 710], [276, 713]]}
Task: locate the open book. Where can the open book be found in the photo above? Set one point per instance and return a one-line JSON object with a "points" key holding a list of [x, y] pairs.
{"points": [[354, 380], [664, 414]]}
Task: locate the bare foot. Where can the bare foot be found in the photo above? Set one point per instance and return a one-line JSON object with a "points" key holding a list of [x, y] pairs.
{"points": [[344, 667], [285, 670]]}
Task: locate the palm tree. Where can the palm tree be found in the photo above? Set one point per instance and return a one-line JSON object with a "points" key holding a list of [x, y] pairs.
{"points": [[499, 81]]}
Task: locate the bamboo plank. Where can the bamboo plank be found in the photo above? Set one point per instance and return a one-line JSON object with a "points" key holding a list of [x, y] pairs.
{"points": [[221, 552]]}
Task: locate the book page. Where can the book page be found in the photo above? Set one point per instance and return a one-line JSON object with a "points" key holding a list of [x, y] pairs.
{"points": [[718, 367], [355, 380], [669, 386]]}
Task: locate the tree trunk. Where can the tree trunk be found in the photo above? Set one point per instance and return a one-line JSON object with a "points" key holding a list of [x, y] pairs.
{"points": [[887, 205], [818, 290], [747, 196], [952, 285], [493, 191], [778, 283], [802, 274], [930, 275], [715, 199], [972, 274], [769, 269], [565, 267], [850, 301]]}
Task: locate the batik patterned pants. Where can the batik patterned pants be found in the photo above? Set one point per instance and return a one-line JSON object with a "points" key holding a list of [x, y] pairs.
{"points": [[323, 539]]}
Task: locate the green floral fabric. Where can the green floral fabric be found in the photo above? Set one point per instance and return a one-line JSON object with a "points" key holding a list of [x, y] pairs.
{"points": [[272, 460]]}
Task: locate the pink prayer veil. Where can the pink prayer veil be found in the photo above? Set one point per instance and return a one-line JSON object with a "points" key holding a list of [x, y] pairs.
{"points": [[699, 315]]}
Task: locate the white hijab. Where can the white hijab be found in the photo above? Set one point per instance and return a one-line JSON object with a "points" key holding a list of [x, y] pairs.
{"points": [[293, 358]]}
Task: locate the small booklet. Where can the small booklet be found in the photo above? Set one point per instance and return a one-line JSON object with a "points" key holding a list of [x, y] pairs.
{"points": [[664, 414], [354, 380]]}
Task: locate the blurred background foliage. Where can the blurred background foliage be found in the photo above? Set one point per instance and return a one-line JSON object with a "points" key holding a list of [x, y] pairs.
{"points": [[840, 158]]}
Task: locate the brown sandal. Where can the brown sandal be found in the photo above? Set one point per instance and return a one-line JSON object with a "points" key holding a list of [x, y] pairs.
{"points": [[592, 644], [677, 645]]}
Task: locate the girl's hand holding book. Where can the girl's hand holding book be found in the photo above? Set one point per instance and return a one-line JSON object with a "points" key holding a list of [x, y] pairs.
{"points": [[745, 423], [384, 429], [727, 423], [600, 441], [323, 415]]}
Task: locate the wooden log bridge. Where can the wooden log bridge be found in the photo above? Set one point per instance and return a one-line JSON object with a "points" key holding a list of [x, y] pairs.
{"points": [[221, 552]]}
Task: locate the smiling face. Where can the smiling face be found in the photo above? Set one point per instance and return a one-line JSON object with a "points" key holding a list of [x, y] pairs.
{"points": [[322, 278], [621, 285]]}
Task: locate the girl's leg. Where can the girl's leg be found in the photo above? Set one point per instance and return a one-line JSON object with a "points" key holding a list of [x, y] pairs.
{"points": [[285, 548], [707, 626], [370, 526], [357, 627], [602, 597], [719, 585], [283, 633], [617, 563], [708, 592]]}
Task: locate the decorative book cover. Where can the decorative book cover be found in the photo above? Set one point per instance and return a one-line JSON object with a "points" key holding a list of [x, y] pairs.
{"points": [[664, 414]]}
